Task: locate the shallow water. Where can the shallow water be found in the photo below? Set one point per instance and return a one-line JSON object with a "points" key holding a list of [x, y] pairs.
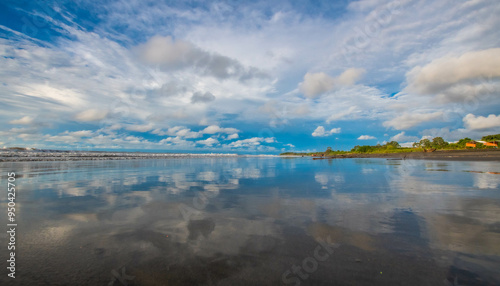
{"points": [[255, 221]]}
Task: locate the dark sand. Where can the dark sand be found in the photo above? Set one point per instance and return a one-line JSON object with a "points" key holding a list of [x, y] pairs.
{"points": [[452, 155]]}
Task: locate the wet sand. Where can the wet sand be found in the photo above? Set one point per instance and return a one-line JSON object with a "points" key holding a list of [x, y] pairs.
{"points": [[449, 155], [258, 222]]}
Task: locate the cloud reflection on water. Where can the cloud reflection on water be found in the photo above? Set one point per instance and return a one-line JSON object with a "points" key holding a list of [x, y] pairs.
{"points": [[128, 213]]}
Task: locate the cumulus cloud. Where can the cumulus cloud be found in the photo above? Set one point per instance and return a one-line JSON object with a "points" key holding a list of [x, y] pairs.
{"points": [[140, 127], [408, 120], [402, 137], [350, 76], [208, 142], [212, 129], [321, 132], [480, 122], [184, 132], [170, 53], [81, 133], [176, 141], [179, 131], [92, 68], [315, 84], [202, 97], [448, 76], [233, 136], [91, 115], [252, 142], [366, 137], [23, 121]]}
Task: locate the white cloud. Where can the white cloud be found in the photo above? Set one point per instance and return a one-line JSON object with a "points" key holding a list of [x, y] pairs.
{"points": [[252, 142], [23, 121], [187, 133], [350, 76], [183, 54], [402, 137], [97, 69], [81, 133], [212, 129], [480, 122], [91, 71], [446, 76], [176, 141], [233, 136], [184, 132], [140, 127], [315, 84], [208, 142], [180, 131], [269, 139], [321, 132], [408, 120], [366, 137], [91, 115]]}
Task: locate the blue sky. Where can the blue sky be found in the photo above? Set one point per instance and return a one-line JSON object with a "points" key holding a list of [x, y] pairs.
{"points": [[235, 76]]}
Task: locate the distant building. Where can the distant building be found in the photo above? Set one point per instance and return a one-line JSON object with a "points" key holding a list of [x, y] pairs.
{"points": [[470, 144], [492, 144], [485, 143]]}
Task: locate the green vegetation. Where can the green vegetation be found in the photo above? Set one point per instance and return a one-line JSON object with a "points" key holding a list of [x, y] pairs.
{"points": [[390, 146], [394, 147], [495, 137]]}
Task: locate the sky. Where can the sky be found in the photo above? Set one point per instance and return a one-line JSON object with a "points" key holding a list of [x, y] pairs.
{"points": [[246, 77]]}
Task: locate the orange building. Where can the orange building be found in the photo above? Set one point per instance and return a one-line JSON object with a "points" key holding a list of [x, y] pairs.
{"points": [[493, 144], [470, 144]]}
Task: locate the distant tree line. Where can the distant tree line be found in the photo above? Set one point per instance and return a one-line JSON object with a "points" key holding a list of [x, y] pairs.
{"points": [[394, 147], [495, 137], [377, 148]]}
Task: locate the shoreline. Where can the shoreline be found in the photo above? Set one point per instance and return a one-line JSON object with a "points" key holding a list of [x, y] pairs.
{"points": [[446, 155]]}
